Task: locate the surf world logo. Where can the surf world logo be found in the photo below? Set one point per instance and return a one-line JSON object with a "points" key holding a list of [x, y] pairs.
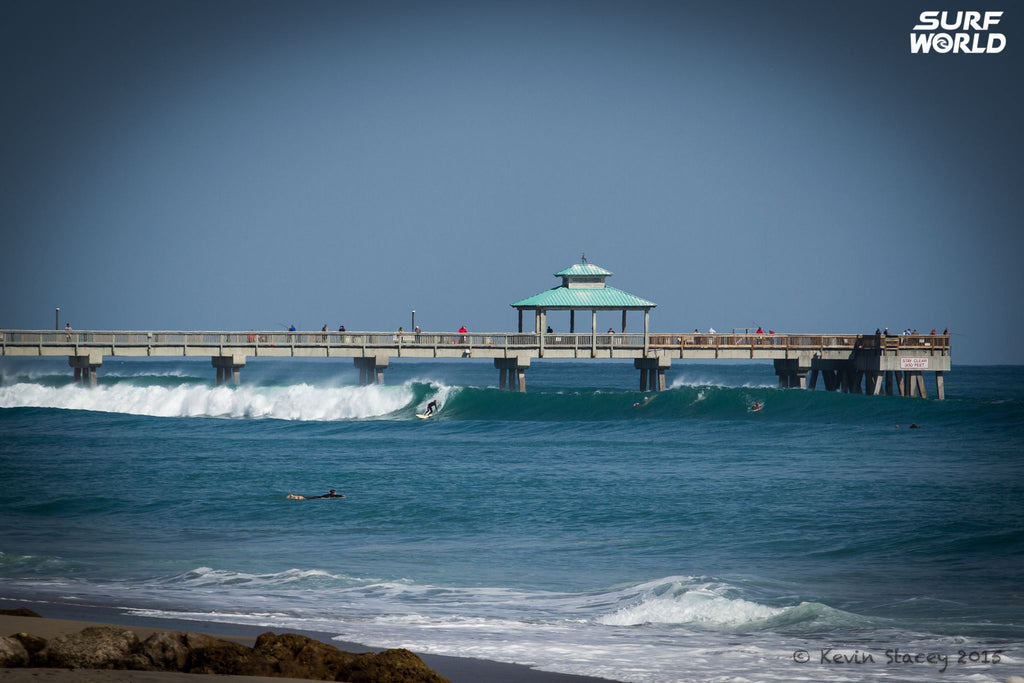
{"points": [[957, 32]]}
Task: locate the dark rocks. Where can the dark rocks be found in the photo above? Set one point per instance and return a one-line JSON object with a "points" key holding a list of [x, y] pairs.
{"points": [[12, 653], [294, 656], [167, 651], [20, 612], [391, 666], [32, 644], [288, 655], [96, 647], [208, 655]]}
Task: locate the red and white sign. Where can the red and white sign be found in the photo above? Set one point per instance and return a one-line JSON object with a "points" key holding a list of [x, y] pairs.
{"points": [[914, 363]]}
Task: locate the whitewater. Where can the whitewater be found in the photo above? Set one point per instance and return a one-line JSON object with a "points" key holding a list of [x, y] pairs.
{"points": [[686, 539]]}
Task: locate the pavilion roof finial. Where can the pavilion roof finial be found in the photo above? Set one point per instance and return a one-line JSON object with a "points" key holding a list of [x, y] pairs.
{"points": [[583, 258]]}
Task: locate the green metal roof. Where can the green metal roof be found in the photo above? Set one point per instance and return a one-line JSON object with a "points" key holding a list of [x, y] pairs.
{"points": [[563, 297], [583, 269]]}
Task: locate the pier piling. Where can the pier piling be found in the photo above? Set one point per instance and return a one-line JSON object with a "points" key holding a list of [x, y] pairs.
{"points": [[229, 368]]}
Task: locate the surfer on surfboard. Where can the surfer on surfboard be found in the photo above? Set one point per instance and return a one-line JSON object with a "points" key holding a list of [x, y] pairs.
{"points": [[756, 408], [331, 494], [430, 411]]}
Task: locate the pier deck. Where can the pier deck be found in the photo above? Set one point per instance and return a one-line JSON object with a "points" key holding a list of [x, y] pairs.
{"points": [[844, 360]]}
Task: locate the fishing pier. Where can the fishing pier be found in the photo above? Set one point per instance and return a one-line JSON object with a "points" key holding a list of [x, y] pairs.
{"points": [[854, 363], [871, 364]]}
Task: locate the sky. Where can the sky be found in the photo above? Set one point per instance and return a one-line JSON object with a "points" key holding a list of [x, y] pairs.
{"points": [[225, 165]]}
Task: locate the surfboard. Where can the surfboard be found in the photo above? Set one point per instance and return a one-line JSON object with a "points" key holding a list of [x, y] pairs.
{"points": [[424, 416]]}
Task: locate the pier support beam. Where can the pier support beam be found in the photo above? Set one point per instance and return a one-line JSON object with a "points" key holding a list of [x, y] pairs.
{"points": [[919, 378], [514, 369], [940, 389], [229, 368], [85, 368], [371, 369], [792, 373], [652, 372]]}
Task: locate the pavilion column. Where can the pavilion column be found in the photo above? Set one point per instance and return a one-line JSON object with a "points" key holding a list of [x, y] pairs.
{"points": [[572, 321], [541, 321], [593, 333], [647, 322], [623, 321], [520, 321]]}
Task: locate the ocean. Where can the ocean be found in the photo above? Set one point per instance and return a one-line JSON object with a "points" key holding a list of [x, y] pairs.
{"points": [[686, 539]]}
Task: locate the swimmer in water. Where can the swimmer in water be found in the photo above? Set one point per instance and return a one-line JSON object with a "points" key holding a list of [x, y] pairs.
{"points": [[331, 494]]}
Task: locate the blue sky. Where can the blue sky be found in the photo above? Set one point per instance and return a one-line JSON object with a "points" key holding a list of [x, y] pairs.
{"points": [[236, 165]]}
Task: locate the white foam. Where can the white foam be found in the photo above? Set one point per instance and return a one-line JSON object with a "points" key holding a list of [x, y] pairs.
{"points": [[701, 607], [703, 383], [295, 402], [671, 629]]}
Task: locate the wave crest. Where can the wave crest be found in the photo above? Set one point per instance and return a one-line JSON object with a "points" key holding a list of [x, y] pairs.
{"points": [[295, 402]]}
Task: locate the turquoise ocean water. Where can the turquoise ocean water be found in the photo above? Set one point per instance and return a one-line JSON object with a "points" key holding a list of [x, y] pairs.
{"points": [[687, 539]]}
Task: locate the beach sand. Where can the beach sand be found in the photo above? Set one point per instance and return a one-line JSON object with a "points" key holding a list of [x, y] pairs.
{"points": [[456, 669]]}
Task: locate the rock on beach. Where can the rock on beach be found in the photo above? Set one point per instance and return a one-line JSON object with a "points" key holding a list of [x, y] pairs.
{"points": [[288, 655]]}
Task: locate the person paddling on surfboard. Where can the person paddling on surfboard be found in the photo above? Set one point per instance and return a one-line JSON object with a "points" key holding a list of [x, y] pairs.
{"points": [[331, 494]]}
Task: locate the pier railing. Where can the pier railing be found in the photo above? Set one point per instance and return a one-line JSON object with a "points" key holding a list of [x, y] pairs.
{"points": [[84, 339]]}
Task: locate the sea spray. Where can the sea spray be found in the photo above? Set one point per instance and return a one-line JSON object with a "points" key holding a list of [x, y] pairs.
{"points": [[295, 402]]}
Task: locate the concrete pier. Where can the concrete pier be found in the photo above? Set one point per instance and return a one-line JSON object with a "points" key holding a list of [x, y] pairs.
{"points": [[85, 368], [512, 372], [872, 364], [371, 369], [792, 372], [229, 368], [652, 372]]}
